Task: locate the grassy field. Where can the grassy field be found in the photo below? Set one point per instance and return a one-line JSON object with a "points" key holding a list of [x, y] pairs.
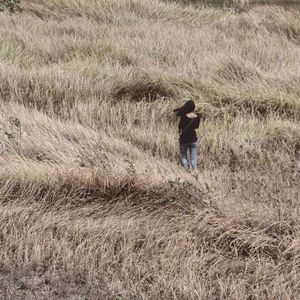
{"points": [[93, 201]]}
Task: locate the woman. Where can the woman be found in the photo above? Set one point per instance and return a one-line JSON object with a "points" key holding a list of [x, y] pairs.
{"points": [[189, 121]]}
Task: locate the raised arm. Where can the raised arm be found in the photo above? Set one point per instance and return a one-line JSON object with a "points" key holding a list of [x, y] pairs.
{"points": [[197, 121]]}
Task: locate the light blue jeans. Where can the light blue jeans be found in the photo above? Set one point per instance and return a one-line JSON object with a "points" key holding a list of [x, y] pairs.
{"points": [[193, 149]]}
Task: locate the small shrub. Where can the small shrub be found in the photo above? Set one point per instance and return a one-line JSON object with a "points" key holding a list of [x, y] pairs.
{"points": [[14, 133], [11, 5]]}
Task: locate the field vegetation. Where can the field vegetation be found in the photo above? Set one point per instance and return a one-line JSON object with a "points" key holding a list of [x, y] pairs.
{"points": [[93, 201]]}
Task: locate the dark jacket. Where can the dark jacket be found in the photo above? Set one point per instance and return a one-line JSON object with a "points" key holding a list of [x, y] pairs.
{"points": [[187, 128]]}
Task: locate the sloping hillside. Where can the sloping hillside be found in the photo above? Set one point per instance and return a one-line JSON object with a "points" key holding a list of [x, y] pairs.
{"points": [[93, 202]]}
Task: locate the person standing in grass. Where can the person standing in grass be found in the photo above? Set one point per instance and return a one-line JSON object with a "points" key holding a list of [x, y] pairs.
{"points": [[189, 121]]}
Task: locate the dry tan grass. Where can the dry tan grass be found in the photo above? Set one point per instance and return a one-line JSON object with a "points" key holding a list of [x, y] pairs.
{"points": [[94, 204]]}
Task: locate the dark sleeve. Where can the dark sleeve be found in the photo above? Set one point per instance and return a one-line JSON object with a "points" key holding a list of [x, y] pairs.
{"points": [[180, 126], [197, 121]]}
